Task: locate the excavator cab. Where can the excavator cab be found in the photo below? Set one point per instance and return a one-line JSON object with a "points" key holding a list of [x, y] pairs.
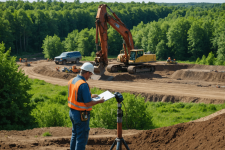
{"points": [[137, 56], [134, 54]]}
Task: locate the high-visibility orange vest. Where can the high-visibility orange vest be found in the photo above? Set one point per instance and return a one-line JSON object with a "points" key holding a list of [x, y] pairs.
{"points": [[72, 96]]}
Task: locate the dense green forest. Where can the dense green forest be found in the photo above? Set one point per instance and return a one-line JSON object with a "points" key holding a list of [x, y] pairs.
{"points": [[183, 31]]}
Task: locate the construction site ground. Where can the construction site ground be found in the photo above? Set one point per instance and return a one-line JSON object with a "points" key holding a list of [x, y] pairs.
{"points": [[169, 83]]}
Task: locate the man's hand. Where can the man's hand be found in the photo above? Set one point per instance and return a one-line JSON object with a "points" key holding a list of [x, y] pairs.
{"points": [[94, 95], [101, 100], [92, 103]]}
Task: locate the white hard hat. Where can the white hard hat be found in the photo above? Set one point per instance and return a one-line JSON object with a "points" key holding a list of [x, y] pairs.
{"points": [[88, 67]]}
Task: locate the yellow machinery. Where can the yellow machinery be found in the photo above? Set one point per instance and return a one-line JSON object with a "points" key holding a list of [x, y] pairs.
{"points": [[135, 63], [75, 69], [72, 69], [27, 63], [169, 61]]}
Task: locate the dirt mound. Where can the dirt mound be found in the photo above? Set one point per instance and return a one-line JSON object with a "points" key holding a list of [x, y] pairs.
{"points": [[45, 70], [193, 135], [200, 135], [199, 74], [130, 77]]}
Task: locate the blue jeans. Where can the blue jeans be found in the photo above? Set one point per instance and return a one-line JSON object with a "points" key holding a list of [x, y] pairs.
{"points": [[80, 131]]}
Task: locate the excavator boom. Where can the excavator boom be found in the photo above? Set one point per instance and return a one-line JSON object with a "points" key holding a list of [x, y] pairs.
{"points": [[102, 18]]}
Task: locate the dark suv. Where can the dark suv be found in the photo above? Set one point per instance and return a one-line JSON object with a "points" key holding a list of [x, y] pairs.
{"points": [[65, 57]]}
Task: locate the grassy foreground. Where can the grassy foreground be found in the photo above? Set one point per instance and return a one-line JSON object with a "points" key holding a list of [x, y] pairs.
{"points": [[50, 109]]}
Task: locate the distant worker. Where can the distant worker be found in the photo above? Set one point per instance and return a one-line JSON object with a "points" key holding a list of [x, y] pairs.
{"points": [[80, 103], [20, 59], [169, 59]]}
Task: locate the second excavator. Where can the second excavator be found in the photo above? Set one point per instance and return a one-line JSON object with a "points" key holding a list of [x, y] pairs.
{"points": [[131, 60]]}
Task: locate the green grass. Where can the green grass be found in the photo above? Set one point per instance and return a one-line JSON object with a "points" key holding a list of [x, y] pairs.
{"points": [[50, 109], [46, 134], [167, 114], [43, 90]]}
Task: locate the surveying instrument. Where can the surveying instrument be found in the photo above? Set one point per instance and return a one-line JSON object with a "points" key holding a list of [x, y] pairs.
{"points": [[119, 140]]}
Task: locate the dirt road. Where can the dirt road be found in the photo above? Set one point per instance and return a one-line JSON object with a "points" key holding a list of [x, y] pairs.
{"points": [[153, 87]]}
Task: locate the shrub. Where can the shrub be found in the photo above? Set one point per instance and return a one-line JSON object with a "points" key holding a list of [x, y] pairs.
{"points": [[179, 105], [210, 59], [135, 115], [92, 54], [203, 60], [63, 93], [211, 107], [51, 115], [188, 106], [14, 98], [46, 134], [198, 60]]}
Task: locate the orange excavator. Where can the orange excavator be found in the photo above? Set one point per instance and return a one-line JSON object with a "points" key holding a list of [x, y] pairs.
{"points": [[131, 60]]}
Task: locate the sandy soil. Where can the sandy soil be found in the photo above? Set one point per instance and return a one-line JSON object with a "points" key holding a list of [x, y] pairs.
{"points": [[185, 83]]}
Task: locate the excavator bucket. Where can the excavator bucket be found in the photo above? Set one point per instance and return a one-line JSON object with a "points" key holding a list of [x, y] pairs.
{"points": [[99, 74], [99, 70]]}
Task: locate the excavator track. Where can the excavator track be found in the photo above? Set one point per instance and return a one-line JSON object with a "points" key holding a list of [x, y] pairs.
{"points": [[131, 69], [140, 69], [114, 68]]}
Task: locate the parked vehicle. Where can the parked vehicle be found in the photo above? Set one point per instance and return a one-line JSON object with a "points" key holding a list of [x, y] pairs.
{"points": [[66, 57]]}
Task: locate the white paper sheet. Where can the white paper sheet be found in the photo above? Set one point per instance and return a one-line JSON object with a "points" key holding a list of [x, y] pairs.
{"points": [[107, 95]]}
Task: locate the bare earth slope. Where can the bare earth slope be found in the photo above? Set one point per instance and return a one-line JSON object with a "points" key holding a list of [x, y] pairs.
{"points": [[208, 134]]}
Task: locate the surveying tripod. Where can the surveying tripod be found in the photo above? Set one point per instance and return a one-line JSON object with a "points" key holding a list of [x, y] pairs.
{"points": [[119, 140]]}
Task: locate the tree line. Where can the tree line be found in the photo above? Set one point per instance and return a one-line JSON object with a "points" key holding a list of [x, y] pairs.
{"points": [[24, 25], [185, 34], [179, 32]]}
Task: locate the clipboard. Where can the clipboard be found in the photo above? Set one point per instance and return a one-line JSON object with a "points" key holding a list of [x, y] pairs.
{"points": [[107, 95]]}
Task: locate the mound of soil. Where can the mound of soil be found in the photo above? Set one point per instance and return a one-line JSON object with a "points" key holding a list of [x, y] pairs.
{"points": [[197, 74], [45, 70], [200, 135], [193, 135], [130, 77]]}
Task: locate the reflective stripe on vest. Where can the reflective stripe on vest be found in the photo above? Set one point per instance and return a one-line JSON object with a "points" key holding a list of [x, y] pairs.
{"points": [[72, 96]]}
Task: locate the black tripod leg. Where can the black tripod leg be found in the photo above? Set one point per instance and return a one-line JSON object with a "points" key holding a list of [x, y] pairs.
{"points": [[114, 143], [118, 145], [125, 144]]}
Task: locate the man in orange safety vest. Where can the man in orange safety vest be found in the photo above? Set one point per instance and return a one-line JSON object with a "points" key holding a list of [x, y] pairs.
{"points": [[80, 103]]}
